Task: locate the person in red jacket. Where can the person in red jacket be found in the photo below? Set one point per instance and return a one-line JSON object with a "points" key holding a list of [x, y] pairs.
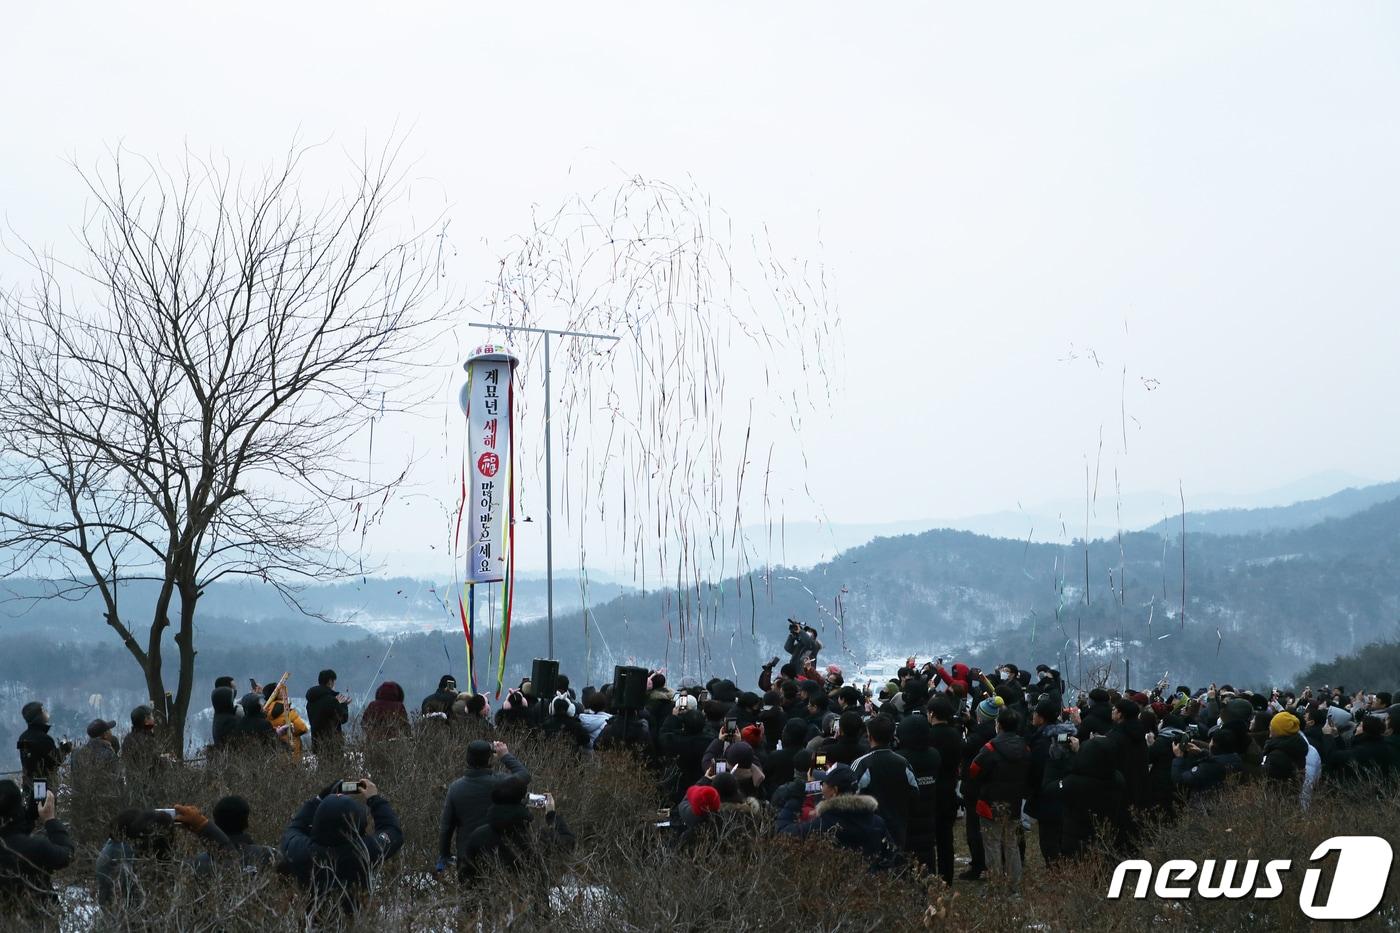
{"points": [[386, 717]]}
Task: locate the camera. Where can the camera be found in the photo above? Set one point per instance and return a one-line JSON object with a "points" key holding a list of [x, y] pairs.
{"points": [[821, 761], [349, 787], [41, 791], [721, 767], [1064, 737], [537, 801], [731, 725], [168, 811]]}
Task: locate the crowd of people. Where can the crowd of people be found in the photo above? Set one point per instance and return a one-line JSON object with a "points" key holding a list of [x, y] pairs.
{"points": [[886, 770]]}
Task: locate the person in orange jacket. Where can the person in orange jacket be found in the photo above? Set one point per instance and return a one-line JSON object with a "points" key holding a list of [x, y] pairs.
{"points": [[284, 718]]}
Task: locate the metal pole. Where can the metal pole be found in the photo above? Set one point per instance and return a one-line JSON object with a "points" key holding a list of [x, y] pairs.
{"points": [[548, 502]]}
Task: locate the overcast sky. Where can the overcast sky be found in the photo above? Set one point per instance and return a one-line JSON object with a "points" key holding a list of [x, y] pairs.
{"points": [[1204, 194]]}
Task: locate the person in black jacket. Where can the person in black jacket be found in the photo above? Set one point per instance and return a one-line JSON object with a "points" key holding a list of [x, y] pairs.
{"points": [[563, 724], [1369, 755], [1204, 772], [28, 861], [225, 716], [1130, 752], [231, 815], [999, 772], [684, 749], [982, 732], [144, 840], [1047, 688], [915, 735], [1285, 752], [1043, 803], [946, 739], [801, 645], [509, 839], [849, 743], [885, 775], [327, 849], [852, 820], [437, 706], [254, 731], [39, 755], [326, 712], [779, 766], [469, 797]]}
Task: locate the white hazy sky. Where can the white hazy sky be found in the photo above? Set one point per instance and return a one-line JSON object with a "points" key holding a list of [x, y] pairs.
{"points": [[1203, 193]]}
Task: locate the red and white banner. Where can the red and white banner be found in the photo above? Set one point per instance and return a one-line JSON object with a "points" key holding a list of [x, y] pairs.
{"points": [[488, 401]]}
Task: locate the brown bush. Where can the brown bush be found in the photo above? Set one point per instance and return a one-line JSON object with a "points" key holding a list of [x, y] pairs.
{"points": [[623, 875]]}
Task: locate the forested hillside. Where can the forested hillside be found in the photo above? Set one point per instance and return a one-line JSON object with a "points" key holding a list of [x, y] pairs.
{"points": [[1260, 607]]}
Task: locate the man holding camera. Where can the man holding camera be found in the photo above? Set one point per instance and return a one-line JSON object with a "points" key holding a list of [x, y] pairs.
{"points": [[1204, 771], [326, 711], [28, 861], [802, 645], [469, 797], [328, 848]]}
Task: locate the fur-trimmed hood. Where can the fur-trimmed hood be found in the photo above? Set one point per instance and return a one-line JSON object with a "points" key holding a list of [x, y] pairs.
{"points": [[847, 803], [751, 806]]}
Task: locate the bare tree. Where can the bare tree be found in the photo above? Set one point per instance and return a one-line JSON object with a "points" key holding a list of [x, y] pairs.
{"points": [[190, 422]]}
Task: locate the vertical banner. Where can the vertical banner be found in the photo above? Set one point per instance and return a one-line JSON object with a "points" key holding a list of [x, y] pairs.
{"points": [[489, 495]]}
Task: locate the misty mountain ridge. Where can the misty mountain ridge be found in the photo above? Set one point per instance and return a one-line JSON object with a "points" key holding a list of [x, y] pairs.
{"points": [[1307, 501], [1259, 608]]}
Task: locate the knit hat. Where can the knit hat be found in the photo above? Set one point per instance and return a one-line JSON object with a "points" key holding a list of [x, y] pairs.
{"points": [[987, 710], [833, 669], [99, 727], [702, 799], [1284, 724], [752, 734], [739, 755], [1140, 698]]}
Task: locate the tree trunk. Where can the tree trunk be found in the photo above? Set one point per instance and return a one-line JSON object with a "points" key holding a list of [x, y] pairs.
{"points": [[184, 639], [155, 680]]}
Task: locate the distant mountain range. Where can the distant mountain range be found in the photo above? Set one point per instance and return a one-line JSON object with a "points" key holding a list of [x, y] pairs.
{"points": [[1289, 587], [1323, 495], [1268, 592]]}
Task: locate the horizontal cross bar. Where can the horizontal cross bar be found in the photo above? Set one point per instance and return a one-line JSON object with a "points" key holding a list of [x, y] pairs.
{"points": [[546, 330]]}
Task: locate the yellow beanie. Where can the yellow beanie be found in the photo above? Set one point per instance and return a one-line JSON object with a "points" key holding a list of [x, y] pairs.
{"points": [[1284, 724]]}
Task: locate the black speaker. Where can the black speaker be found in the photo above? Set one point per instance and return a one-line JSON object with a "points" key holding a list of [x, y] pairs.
{"points": [[629, 687], [544, 674]]}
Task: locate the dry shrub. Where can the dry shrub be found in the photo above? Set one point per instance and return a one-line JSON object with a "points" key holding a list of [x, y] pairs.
{"points": [[624, 875]]}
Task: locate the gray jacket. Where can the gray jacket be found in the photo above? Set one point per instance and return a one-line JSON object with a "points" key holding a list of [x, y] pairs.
{"points": [[468, 799]]}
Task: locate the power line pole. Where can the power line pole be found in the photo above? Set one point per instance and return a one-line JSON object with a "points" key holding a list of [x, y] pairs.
{"points": [[548, 464]]}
